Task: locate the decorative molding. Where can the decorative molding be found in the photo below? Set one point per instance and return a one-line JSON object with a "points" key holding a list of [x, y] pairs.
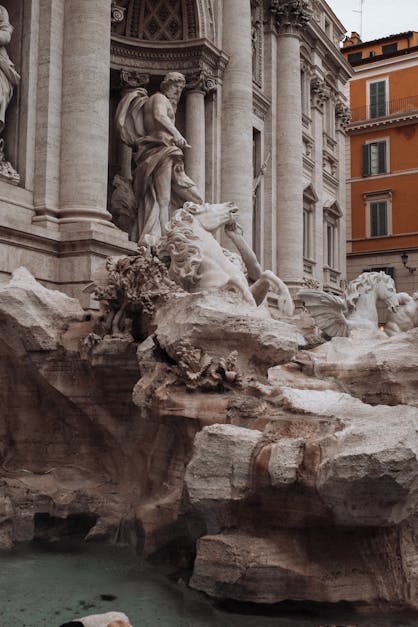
{"points": [[291, 16], [320, 92], [133, 79], [257, 40], [343, 115], [261, 104], [118, 13], [202, 81], [187, 57]]}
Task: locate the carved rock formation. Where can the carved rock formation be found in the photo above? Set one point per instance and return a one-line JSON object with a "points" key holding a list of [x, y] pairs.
{"points": [[292, 482]]}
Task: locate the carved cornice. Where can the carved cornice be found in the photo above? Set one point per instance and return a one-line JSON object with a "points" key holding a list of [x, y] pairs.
{"points": [[202, 81], [188, 57], [291, 16]]}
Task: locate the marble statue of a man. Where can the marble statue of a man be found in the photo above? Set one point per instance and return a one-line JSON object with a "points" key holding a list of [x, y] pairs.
{"points": [[9, 78], [147, 124]]}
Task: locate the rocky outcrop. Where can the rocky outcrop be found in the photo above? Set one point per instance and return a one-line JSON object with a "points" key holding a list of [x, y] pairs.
{"points": [[298, 482]]}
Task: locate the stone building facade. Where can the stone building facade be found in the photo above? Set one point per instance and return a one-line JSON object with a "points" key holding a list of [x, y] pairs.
{"points": [[264, 111]]}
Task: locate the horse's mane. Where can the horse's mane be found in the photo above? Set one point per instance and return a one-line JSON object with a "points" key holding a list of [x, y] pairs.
{"points": [[363, 284], [177, 244]]}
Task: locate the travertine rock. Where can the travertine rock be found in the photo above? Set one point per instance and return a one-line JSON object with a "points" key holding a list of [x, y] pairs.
{"points": [[375, 369], [33, 317], [220, 323], [329, 563], [296, 488], [369, 470]]}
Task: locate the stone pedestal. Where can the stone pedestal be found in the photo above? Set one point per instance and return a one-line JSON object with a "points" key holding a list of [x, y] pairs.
{"points": [[85, 112], [290, 18], [196, 136], [237, 95]]}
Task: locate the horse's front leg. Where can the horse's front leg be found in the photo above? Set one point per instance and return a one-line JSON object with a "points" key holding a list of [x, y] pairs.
{"points": [[260, 289], [273, 282]]}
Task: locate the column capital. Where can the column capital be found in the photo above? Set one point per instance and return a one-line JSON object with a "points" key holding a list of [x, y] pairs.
{"points": [[118, 13], [291, 16], [343, 115], [320, 92], [201, 81], [131, 79]]}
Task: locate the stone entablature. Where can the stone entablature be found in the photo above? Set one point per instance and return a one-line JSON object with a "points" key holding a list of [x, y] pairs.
{"points": [[187, 57]]}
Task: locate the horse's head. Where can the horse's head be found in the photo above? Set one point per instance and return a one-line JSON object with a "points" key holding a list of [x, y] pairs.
{"points": [[212, 217], [386, 292]]}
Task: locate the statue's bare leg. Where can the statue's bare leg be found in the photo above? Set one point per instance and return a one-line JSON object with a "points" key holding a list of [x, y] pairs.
{"points": [[162, 183]]}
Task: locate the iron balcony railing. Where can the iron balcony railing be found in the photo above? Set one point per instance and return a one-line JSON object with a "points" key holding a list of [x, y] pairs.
{"points": [[385, 109]]}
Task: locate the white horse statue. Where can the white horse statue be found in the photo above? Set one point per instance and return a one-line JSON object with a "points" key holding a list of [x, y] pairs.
{"points": [[406, 318], [199, 263], [337, 316]]}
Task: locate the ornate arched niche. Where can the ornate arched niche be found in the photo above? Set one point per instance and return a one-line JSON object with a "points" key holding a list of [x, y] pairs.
{"points": [[152, 37], [159, 20]]}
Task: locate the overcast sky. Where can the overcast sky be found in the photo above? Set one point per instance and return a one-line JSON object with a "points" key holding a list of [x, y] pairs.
{"points": [[380, 17]]}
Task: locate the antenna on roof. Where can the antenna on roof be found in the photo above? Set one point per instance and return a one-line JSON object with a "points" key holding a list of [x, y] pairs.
{"points": [[361, 16]]}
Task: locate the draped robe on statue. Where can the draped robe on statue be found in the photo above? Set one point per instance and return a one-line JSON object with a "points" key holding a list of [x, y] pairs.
{"points": [[150, 154]]}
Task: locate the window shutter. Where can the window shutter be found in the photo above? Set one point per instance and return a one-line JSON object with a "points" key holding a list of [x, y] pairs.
{"points": [[365, 160], [383, 222], [377, 99], [373, 100], [381, 98], [382, 157], [374, 228]]}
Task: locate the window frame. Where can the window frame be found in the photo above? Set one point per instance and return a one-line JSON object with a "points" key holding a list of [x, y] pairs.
{"points": [[332, 247], [369, 143], [378, 197], [372, 81]]}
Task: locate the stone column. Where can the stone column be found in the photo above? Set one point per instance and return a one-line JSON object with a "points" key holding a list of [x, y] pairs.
{"points": [[237, 111], [290, 19], [194, 156], [85, 112]]}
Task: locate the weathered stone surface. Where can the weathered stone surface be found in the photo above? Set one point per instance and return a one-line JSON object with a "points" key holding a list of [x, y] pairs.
{"points": [[220, 468], [285, 460], [220, 323], [377, 370], [369, 469], [32, 317], [331, 564]]}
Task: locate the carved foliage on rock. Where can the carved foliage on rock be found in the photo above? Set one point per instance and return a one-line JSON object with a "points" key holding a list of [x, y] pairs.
{"points": [[134, 285], [200, 371]]}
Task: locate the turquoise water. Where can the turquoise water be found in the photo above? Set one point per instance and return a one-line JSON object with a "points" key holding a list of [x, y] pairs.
{"points": [[49, 585]]}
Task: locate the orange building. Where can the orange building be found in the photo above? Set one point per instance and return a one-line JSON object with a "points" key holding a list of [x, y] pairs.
{"points": [[383, 142]]}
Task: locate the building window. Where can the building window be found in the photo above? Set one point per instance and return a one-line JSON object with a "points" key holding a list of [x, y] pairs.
{"points": [[389, 49], [307, 232], [390, 270], [332, 216], [309, 200], [331, 236], [378, 98], [354, 56], [378, 213], [374, 158], [378, 218]]}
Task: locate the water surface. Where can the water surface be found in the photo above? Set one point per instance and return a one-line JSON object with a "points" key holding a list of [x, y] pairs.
{"points": [[51, 584]]}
